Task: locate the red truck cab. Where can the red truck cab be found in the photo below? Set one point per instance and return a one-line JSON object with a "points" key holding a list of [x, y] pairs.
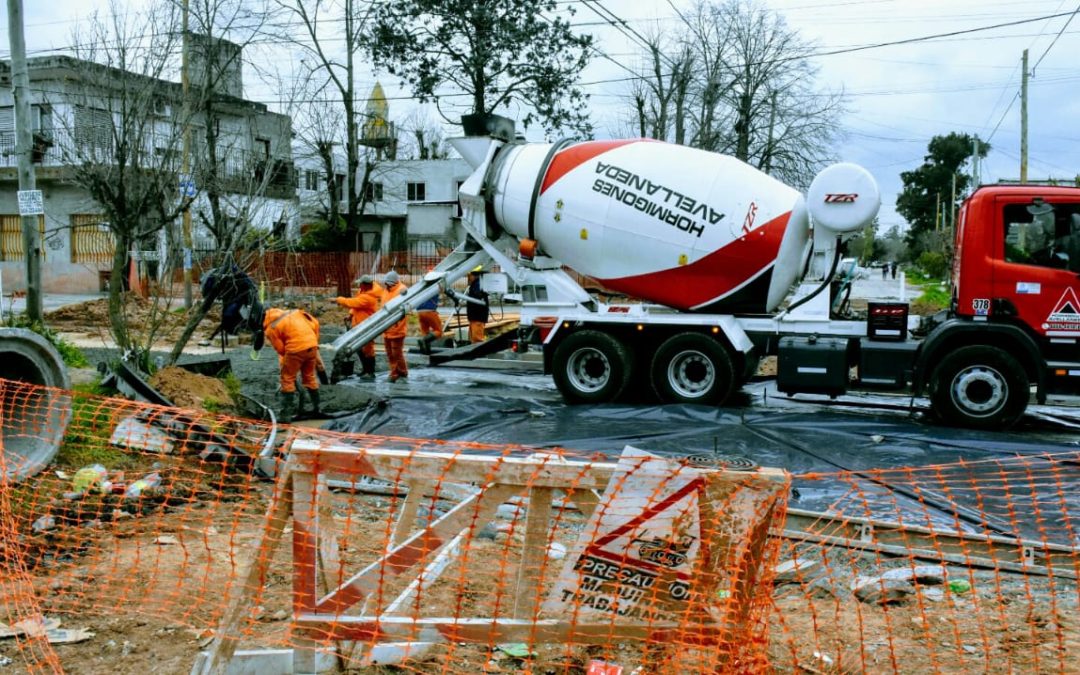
{"points": [[1016, 291]]}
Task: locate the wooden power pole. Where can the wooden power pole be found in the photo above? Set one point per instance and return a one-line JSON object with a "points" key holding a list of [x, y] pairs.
{"points": [[187, 183], [1024, 121], [24, 142]]}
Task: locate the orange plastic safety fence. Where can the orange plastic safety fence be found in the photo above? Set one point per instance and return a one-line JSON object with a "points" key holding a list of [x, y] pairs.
{"points": [[965, 567], [453, 557]]}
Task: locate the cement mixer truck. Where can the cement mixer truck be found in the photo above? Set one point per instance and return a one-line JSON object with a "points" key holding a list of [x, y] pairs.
{"points": [[727, 265]]}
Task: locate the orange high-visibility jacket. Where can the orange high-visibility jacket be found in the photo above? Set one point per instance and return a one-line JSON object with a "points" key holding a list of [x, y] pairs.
{"points": [[364, 303], [399, 329], [296, 331]]}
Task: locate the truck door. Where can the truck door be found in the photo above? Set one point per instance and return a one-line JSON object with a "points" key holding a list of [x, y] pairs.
{"points": [[1037, 270]]}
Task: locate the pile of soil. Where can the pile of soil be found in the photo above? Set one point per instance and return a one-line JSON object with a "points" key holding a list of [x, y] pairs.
{"points": [[191, 390]]}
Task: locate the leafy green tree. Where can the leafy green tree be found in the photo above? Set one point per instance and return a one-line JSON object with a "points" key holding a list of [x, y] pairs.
{"points": [[502, 53], [918, 202]]}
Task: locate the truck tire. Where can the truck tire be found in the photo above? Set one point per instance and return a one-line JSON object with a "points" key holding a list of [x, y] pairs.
{"points": [[692, 368], [591, 367], [979, 386]]}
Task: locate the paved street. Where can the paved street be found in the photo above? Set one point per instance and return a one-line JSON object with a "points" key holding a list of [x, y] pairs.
{"points": [[875, 288]]}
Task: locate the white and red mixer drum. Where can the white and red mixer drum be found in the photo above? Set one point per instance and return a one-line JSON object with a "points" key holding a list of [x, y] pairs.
{"points": [[686, 228]]}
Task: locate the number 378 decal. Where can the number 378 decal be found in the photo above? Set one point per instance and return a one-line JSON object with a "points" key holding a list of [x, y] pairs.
{"points": [[981, 306]]}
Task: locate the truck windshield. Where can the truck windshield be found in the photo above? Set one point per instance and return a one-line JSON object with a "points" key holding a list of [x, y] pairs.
{"points": [[1049, 238]]}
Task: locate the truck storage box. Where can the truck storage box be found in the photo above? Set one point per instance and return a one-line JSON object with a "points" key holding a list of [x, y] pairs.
{"points": [[885, 364], [812, 365]]}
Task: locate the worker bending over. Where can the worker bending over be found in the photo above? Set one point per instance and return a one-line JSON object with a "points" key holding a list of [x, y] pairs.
{"points": [[476, 308], [294, 334], [367, 301], [394, 337]]}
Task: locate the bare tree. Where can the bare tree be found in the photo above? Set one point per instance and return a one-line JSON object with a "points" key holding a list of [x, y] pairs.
{"points": [[117, 142], [244, 153], [738, 80], [318, 134], [661, 95], [422, 137], [333, 46]]}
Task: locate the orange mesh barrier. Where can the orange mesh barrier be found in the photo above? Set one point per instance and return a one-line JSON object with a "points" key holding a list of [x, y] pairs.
{"points": [[210, 537]]}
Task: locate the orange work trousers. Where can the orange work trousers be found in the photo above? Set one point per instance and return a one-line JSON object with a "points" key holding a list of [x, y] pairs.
{"points": [[395, 355], [476, 331], [430, 322], [368, 350], [304, 362]]}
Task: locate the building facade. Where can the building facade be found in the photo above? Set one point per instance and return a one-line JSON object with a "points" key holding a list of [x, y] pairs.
{"points": [[255, 174], [409, 205]]}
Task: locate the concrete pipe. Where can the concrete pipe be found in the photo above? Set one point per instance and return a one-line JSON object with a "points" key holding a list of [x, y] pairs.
{"points": [[32, 425]]}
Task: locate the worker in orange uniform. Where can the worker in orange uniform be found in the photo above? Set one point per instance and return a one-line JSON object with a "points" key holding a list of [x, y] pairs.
{"points": [[394, 337], [367, 301], [294, 334], [427, 313], [476, 308]]}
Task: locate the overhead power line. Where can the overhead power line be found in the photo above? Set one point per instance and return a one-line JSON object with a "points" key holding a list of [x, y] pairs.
{"points": [[1054, 41]]}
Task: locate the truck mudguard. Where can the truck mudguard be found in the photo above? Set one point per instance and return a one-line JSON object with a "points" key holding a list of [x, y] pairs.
{"points": [[957, 332]]}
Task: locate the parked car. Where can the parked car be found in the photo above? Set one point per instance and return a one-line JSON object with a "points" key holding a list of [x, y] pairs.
{"points": [[850, 268]]}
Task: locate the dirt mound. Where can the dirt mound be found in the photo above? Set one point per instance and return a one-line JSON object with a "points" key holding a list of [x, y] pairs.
{"points": [[191, 390]]}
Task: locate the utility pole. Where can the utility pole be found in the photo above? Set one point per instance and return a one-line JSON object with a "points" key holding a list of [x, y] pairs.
{"points": [[974, 162], [186, 182], [24, 142], [1024, 121], [937, 213], [952, 204]]}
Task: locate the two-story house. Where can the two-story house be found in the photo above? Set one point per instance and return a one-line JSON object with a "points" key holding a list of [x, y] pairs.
{"points": [[409, 204], [255, 171]]}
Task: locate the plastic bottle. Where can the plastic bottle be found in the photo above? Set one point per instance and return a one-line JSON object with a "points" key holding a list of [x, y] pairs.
{"points": [[143, 486]]}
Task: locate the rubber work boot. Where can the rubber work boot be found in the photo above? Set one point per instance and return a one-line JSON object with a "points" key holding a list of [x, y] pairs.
{"points": [[341, 371], [425, 343], [314, 395], [301, 405], [288, 406], [367, 363]]}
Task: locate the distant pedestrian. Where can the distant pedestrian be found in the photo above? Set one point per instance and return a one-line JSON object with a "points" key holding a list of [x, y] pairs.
{"points": [[892, 267], [884, 271]]}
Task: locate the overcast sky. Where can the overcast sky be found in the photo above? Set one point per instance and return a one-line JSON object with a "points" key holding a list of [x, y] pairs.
{"points": [[899, 96]]}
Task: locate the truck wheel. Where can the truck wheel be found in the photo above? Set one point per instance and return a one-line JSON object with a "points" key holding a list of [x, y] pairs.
{"points": [[692, 368], [591, 367], [980, 387]]}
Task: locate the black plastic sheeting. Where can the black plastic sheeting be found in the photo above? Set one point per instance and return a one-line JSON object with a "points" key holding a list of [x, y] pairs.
{"points": [[768, 429]]}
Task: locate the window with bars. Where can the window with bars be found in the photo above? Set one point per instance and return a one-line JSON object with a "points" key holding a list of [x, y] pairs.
{"points": [[93, 131], [11, 241], [91, 239]]}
